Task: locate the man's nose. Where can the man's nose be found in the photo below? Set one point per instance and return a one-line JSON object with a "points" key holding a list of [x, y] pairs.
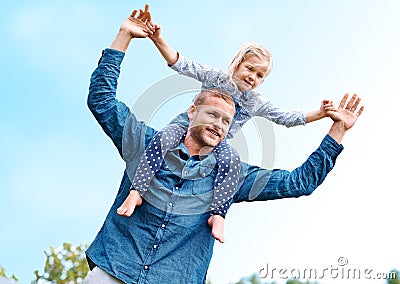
{"points": [[217, 123]]}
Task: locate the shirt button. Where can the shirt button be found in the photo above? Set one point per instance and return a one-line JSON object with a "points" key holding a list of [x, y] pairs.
{"points": [[155, 246], [240, 103], [170, 204], [177, 187], [163, 226], [146, 267]]}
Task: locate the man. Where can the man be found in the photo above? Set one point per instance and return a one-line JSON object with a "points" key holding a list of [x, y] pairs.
{"points": [[167, 238]]}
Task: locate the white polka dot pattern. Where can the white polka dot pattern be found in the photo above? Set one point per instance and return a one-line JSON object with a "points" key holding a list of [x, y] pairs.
{"points": [[228, 161]]}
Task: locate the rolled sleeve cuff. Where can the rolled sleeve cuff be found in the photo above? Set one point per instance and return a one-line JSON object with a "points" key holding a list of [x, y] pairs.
{"points": [[112, 56], [331, 147]]}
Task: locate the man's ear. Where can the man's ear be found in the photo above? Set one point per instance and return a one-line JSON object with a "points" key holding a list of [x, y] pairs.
{"points": [[191, 112]]}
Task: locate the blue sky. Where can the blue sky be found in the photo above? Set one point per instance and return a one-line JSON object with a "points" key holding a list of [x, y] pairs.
{"points": [[59, 173]]}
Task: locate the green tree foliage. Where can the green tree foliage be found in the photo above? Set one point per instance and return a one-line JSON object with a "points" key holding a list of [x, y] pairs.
{"points": [[396, 280], [255, 279], [3, 273], [252, 279], [65, 265], [295, 281]]}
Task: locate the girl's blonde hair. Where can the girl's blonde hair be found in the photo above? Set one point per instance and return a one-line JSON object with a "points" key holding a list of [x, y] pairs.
{"points": [[250, 48]]}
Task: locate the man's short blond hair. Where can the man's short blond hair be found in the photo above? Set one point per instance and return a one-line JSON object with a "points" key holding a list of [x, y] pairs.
{"points": [[213, 92]]}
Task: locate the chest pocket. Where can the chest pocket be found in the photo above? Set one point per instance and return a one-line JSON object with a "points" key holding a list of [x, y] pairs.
{"points": [[205, 184]]}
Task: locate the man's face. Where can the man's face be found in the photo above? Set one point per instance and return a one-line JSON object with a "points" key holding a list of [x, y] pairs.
{"points": [[210, 122]]}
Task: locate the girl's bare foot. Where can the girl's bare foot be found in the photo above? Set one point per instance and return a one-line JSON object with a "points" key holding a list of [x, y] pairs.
{"points": [[216, 222], [134, 199]]}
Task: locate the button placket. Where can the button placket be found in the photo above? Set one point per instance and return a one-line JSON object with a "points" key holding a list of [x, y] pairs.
{"points": [[155, 246]]}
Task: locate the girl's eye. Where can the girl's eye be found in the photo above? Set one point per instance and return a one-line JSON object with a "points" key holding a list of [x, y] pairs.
{"points": [[250, 68]]}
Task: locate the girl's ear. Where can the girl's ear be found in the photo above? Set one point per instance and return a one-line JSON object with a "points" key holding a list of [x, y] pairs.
{"points": [[191, 112]]}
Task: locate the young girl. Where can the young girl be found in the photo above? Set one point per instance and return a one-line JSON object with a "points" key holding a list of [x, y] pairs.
{"points": [[247, 70]]}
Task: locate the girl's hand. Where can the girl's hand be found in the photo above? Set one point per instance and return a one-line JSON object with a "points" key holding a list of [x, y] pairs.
{"points": [[327, 105], [153, 27]]}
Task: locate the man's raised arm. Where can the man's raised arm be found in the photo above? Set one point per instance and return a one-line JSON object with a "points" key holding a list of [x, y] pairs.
{"points": [[260, 184], [110, 113]]}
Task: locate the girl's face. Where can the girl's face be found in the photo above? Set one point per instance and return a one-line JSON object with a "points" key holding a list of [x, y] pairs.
{"points": [[250, 73]]}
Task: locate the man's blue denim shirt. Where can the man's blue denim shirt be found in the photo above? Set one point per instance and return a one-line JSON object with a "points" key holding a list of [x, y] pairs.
{"points": [[167, 239]]}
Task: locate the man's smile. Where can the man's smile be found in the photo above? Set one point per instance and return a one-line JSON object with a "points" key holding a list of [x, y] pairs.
{"points": [[213, 132]]}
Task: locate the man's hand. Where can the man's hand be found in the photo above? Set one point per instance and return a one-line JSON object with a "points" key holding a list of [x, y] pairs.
{"points": [[144, 18], [133, 27], [349, 114], [137, 26], [345, 116]]}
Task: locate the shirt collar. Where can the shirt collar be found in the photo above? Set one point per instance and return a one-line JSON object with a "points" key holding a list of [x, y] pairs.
{"points": [[184, 152]]}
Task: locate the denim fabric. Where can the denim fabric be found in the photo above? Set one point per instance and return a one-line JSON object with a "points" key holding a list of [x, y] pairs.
{"points": [[167, 239], [98, 276]]}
